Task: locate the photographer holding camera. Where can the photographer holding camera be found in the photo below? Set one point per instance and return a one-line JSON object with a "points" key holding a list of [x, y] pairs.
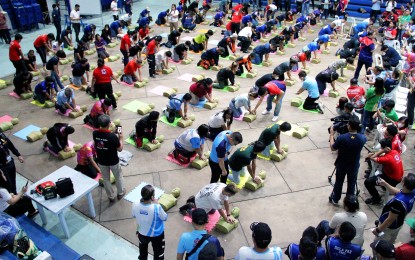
{"points": [[347, 163], [340, 122]]}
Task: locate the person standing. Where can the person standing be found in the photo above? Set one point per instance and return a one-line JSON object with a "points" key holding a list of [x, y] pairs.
{"points": [[56, 18], [173, 18], [192, 243], [114, 9], [101, 82], [261, 236], [152, 48], [218, 159], [125, 46], [4, 29], [150, 218], [395, 211], [107, 144], [349, 147], [75, 18], [367, 46], [7, 162], [276, 91], [127, 6], [16, 55]]}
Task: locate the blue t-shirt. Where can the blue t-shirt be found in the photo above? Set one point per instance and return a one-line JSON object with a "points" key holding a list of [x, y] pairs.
{"points": [[144, 21], [115, 25], [313, 46], [220, 147], [65, 33], [365, 54], [187, 20], [189, 240], [324, 38], [176, 102], [162, 14], [280, 85], [311, 86], [42, 88], [262, 49], [360, 27], [340, 250], [350, 147], [326, 30], [88, 29], [219, 15], [261, 29], [144, 12], [62, 99], [293, 251], [247, 18]]}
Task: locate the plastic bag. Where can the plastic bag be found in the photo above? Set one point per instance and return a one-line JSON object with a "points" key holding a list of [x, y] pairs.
{"points": [[9, 227]]}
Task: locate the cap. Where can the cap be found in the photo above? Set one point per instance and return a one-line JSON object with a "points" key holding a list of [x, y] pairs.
{"points": [[208, 252], [199, 216], [148, 8], [234, 35], [261, 232], [411, 222], [384, 248]]}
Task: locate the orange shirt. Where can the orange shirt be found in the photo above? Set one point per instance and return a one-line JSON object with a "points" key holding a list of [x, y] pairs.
{"points": [[102, 74], [131, 67], [41, 40]]}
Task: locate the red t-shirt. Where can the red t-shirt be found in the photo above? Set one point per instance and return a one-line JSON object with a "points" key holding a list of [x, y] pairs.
{"points": [[41, 40], [302, 57], [143, 33], [272, 88], [355, 93], [87, 151], [392, 165], [131, 67], [405, 251], [199, 90], [125, 40], [237, 17], [102, 75], [151, 47], [397, 144], [236, 8], [229, 26], [14, 54]]}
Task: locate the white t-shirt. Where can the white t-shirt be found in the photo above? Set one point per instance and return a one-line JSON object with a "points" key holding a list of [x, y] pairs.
{"points": [[246, 32], [216, 121], [173, 13], [114, 8], [272, 7], [75, 15], [358, 220], [211, 197], [149, 218], [390, 6], [160, 56], [4, 198], [248, 253]]}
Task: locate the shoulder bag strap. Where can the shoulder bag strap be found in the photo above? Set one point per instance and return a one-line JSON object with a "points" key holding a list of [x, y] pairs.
{"points": [[198, 245]]}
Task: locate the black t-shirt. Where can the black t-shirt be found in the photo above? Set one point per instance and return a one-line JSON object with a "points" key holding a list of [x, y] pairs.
{"points": [[325, 76], [106, 145], [351, 44], [79, 50], [52, 62], [173, 35], [400, 205], [264, 80], [180, 48], [147, 128], [193, 6], [30, 61], [20, 81], [79, 70], [226, 74]]}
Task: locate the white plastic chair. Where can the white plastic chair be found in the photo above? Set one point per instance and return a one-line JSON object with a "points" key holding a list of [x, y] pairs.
{"points": [[378, 60], [397, 45]]}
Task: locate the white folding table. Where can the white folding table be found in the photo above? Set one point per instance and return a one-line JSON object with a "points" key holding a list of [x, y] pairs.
{"points": [[83, 186]]}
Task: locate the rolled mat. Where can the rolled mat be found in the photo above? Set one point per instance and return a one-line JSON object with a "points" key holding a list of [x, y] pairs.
{"points": [[186, 62], [139, 84], [249, 118], [301, 39], [184, 123], [74, 114], [262, 174], [175, 192], [326, 52], [278, 157], [350, 67], [168, 71], [333, 94], [300, 133], [285, 147], [342, 79], [44, 130], [49, 104], [232, 57], [233, 88], [111, 45], [253, 186], [63, 62], [160, 138], [266, 63], [35, 73], [77, 147], [210, 105], [197, 78], [25, 96], [169, 92], [216, 68], [117, 122], [289, 82], [34, 136], [290, 45], [151, 147], [167, 201], [307, 70], [225, 227], [6, 126], [2, 84], [84, 108], [251, 75], [143, 110], [112, 58], [280, 53], [89, 52], [263, 40], [235, 212], [315, 60], [118, 93], [296, 102], [333, 43], [66, 155], [199, 164], [15, 121]]}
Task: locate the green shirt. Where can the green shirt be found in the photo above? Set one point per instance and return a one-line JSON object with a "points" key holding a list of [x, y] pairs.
{"points": [[201, 38], [371, 100], [242, 157], [269, 134], [404, 19], [392, 115]]}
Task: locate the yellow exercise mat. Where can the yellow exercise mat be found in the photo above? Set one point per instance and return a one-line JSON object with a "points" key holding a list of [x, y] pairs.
{"points": [[293, 128], [242, 180]]}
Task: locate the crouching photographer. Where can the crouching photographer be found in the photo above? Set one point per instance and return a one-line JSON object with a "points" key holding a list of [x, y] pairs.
{"points": [[340, 122]]}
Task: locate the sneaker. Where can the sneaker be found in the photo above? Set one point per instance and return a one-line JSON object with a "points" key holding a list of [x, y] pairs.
{"points": [[274, 119], [372, 201], [266, 112], [334, 203], [321, 108], [119, 196]]}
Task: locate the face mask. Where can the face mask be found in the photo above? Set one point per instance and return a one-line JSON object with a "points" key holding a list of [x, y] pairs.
{"points": [[400, 125]]}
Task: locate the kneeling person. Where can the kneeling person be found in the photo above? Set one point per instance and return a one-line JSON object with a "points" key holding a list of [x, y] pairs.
{"points": [[146, 127]]}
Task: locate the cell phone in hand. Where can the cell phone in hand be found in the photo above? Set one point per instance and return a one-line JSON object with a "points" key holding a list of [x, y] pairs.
{"points": [[27, 183], [119, 129]]}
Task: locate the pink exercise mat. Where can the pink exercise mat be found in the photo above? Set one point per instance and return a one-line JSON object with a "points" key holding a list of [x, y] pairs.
{"points": [[174, 160], [213, 220], [5, 118]]}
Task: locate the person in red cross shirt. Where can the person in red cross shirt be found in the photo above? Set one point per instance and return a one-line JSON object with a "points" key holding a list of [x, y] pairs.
{"points": [[152, 48]]}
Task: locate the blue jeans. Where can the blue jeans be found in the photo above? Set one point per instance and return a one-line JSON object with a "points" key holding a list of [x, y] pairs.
{"points": [[55, 76], [277, 109], [367, 120], [237, 112], [257, 60], [268, 148], [323, 229], [235, 176], [305, 9], [338, 185]]}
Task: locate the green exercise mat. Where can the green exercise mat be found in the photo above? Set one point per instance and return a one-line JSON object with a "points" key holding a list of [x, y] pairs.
{"points": [[315, 111], [134, 105], [132, 142], [163, 119]]}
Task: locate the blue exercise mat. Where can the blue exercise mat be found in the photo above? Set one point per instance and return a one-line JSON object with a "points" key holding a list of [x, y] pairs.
{"points": [[200, 104], [26, 131], [45, 241], [135, 194]]}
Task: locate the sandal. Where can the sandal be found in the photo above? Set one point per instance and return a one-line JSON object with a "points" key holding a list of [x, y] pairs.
{"points": [[31, 215]]}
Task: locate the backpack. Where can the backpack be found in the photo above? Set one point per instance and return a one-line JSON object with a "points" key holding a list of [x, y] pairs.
{"points": [[207, 250]]}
